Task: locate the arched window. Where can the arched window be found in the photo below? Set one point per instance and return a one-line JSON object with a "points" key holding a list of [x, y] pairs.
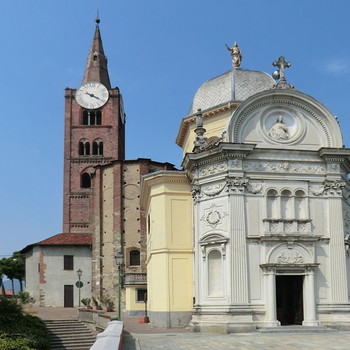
{"points": [[97, 147], [92, 117], [85, 180], [84, 147], [134, 258], [300, 205], [286, 205], [215, 278], [272, 204]]}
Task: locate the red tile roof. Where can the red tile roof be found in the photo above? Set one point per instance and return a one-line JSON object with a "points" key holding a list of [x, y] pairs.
{"points": [[68, 239], [82, 239], [7, 292]]}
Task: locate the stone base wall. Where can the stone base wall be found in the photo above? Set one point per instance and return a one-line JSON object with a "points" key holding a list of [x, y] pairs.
{"points": [[170, 319]]}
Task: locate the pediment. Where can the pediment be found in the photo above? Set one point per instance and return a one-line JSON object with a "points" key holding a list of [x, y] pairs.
{"points": [[284, 119]]}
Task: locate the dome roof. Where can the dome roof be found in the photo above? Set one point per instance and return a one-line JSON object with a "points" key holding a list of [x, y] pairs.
{"points": [[235, 85]]}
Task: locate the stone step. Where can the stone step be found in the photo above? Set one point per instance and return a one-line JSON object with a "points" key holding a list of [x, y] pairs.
{"points": [[295, 329], [69, 335], [67, 330], [72, 338], [81, 347]]}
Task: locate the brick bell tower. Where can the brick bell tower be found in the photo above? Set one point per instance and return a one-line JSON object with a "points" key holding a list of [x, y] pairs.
{"points": [[94, 135]]}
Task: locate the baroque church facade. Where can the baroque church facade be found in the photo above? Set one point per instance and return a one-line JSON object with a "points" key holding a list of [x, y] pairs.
{"points": [[266, 194]]}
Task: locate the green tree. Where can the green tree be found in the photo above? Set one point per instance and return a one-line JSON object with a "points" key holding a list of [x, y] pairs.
{"points": [[13, 268], [1, 279], [6, 269], [18, 265]]}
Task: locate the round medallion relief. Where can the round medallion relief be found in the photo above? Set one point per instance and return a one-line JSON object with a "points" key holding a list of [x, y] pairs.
{"points": [[213, 217], [131, 191], [282, 125]]}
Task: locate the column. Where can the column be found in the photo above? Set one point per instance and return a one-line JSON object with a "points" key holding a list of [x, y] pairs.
{"points": [[270, 297], [309, 299]]}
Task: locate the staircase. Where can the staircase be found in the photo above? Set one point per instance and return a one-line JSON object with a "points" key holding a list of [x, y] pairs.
{"points": [[69, 335]]}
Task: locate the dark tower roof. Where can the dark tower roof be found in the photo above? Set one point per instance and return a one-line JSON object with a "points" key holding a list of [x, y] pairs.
{"points": [[96, 66]]}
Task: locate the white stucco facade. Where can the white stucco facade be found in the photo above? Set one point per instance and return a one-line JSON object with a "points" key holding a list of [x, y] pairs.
{"points": [[271, 217], [49, 282]]}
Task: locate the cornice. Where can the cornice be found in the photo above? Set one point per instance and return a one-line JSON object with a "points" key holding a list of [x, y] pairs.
{"points": [[223, 151], [91, 160], [186, 122]]}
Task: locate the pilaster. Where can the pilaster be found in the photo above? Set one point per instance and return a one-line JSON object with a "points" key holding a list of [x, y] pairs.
{"points": [[238, 241], [337, 261]]}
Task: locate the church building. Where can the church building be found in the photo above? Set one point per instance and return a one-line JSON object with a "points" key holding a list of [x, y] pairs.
{"points": [[102, 216], [254, 232]]}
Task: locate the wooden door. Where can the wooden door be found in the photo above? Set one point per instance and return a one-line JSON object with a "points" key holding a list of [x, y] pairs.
{"points": [[68, 296]]}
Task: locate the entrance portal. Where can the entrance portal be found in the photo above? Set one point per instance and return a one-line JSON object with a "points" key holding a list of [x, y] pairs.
{"points": [[289, 295]]}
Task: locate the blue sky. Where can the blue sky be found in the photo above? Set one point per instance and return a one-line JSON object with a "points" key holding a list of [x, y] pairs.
{"points": [[159, 53]]}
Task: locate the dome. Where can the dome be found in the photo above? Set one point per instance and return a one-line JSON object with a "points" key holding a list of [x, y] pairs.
{"points": [[235, 85]]}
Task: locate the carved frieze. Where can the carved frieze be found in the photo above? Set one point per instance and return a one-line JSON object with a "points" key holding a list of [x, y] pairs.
{"points": [[334, 188], [285, 167], [235, 164], [213, 169], [333, 167], [289, 256], [213, 190]]}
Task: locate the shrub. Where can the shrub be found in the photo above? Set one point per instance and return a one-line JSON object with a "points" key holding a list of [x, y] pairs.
{"points": [[20, 331], [14, 343], [25, 298]]}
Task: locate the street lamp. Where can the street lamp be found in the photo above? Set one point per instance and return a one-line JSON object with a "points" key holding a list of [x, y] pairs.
{"points": [[119, 258], [79, 285]]}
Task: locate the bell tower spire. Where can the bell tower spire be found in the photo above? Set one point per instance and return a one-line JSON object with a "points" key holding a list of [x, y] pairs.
{"points": [[96, 66], [94, 135]]}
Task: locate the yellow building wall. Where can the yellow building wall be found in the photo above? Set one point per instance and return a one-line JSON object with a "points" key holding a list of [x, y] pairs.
{"points": [[131, 303], [170, 253], [214, 126]]}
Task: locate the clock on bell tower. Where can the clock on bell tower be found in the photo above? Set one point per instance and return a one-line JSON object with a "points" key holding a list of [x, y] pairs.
{"points": [[94, 135]]}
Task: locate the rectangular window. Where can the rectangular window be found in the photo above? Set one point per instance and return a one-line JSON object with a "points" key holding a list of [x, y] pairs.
{"points": [[68, 262], [141, 295]]}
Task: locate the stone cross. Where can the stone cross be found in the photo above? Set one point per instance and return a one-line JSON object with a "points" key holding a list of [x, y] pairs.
{"points": [[281, 64]]}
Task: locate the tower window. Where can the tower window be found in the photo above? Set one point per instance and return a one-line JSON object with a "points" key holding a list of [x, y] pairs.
{"points": [[135, 258], [84, 147], [85, 180], [97, 147], [92, 117]]}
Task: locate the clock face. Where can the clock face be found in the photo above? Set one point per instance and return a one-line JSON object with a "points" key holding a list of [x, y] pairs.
{"points": [[92, 95]]}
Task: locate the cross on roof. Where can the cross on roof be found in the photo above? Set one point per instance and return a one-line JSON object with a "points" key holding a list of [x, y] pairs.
{"points": [[281, 64]]}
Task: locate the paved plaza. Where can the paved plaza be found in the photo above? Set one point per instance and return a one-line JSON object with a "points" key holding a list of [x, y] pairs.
{"points": [[248, 341], [139, 336]]}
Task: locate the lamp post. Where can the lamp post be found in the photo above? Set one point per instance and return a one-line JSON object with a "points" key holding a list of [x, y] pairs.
{"points": [[79, 273], [119, 258]]}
